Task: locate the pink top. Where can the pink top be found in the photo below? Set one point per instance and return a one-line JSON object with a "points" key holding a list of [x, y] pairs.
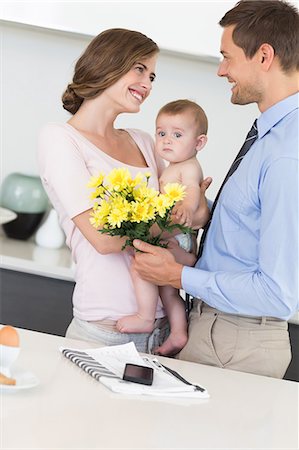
{"points": [[67, 159]]}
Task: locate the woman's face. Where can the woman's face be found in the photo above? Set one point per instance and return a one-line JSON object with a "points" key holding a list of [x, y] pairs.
{"points": [[130, 91]]}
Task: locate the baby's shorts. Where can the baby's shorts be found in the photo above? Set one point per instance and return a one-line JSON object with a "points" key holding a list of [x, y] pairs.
{"points": [[185, 241]]}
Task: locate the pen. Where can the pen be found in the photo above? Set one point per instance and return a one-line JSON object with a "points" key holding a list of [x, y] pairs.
{"points": [[179, 377], [166, 369]]}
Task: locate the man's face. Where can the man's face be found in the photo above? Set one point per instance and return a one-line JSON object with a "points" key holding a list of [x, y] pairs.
{"points": [[239, 70]]}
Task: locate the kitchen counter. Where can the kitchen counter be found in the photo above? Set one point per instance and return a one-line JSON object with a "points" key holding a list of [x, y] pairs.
{"points": [[69, 409], [26, 256]]}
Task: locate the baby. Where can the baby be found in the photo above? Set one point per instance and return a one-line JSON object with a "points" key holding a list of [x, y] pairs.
{"points": [[181, 131]]}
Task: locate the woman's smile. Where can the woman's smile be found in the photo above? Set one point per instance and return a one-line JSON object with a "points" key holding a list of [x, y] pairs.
{"points": [[138, 95]]}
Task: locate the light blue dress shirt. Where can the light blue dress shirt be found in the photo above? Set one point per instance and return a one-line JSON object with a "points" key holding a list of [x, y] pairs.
{"points": [[249, 264]]}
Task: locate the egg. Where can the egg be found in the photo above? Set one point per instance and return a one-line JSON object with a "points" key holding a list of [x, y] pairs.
{"points": [[9, 336]]}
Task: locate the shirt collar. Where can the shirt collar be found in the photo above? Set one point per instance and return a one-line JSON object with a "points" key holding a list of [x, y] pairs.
{"points": [[273, 115]]}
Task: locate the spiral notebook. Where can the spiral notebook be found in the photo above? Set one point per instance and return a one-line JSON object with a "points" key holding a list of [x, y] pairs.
{"points": [[87, 363], [107, 365]]}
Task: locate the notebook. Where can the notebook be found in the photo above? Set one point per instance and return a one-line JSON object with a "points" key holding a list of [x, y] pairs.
{"points": [[107, 366]]}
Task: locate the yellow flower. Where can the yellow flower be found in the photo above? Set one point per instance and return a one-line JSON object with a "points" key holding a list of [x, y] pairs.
{"points": [[140, 212], [99, 192], [145, 193], [151, 213], [119, 178], [151, 194], [133, 182], [119, 211], [139, 192], [174, 191], [96, 181], [100, 214], [162, 204], [119, 202], [105, 208], [116, 217]]}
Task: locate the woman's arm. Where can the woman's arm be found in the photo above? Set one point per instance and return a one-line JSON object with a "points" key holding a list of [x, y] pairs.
{"points": [[67, 182], [103, 243]]}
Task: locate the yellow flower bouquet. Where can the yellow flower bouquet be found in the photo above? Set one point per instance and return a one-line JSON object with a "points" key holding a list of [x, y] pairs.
{"points": [[128, 207]]}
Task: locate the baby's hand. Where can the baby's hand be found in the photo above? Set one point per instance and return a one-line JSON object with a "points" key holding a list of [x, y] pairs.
{"points": [[182, 214]]}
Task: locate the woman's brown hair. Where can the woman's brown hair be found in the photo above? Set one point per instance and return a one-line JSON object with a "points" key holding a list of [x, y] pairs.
{"points": [[106, 59]]}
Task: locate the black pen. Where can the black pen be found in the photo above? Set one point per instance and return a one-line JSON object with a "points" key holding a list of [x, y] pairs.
{"points": [[179, 377]]}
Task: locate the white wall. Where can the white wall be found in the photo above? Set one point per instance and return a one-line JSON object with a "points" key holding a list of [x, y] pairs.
{"points": [[186, 26], [37, 65]]}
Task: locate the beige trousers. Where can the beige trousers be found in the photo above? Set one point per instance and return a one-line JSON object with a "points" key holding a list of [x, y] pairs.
{"points": [[259, 345]]}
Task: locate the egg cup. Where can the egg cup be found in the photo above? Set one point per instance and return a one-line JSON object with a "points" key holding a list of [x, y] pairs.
{"points": [[8, 356]]}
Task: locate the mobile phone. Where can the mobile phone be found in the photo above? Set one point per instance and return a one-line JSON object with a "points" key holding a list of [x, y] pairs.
{"points": [[138, 374]]}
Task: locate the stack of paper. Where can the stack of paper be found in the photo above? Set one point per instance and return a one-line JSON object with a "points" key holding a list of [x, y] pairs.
{"points": [[107, 365]]}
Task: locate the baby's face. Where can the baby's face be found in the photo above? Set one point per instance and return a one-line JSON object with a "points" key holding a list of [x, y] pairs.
{"points": [[176, 137]]}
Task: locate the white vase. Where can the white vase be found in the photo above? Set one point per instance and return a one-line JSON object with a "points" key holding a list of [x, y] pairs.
{"points": [[50, 234]]}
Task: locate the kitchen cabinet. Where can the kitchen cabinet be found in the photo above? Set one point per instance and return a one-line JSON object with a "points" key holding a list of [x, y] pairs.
{"points": [[35, 302], [293, 369]]}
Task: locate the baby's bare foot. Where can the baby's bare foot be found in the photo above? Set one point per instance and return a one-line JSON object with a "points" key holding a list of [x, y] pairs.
{"points": [[173, 344], [134, 324]]}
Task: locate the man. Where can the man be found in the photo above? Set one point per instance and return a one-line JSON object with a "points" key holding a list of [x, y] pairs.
{"points": [[245, 283]]}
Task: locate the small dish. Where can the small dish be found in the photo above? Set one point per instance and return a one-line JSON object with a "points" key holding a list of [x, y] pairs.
{"points": [[24, 380], [6, 215]]}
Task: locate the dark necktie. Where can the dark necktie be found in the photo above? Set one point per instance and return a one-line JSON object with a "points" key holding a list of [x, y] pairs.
{"points": [[250, 138]]}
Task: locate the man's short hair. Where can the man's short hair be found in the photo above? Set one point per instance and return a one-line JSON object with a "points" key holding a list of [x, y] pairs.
{"points": [[273, 22]]}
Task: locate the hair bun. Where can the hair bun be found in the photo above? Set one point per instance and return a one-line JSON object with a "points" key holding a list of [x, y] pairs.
{"points": [[70, 100]]}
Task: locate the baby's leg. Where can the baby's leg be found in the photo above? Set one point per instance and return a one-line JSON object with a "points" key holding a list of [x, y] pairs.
{"points": [[147, 298], [175, 310]]}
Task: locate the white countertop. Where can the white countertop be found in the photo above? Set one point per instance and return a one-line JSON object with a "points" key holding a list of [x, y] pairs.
{"points": [[71, 410], [26, 256]]}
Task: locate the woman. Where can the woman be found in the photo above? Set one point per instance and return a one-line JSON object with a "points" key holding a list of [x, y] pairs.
{"points": [[114, 75]]}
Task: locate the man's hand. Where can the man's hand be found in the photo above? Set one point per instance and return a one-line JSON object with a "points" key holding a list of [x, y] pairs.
{"points": [[157, 265]]}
